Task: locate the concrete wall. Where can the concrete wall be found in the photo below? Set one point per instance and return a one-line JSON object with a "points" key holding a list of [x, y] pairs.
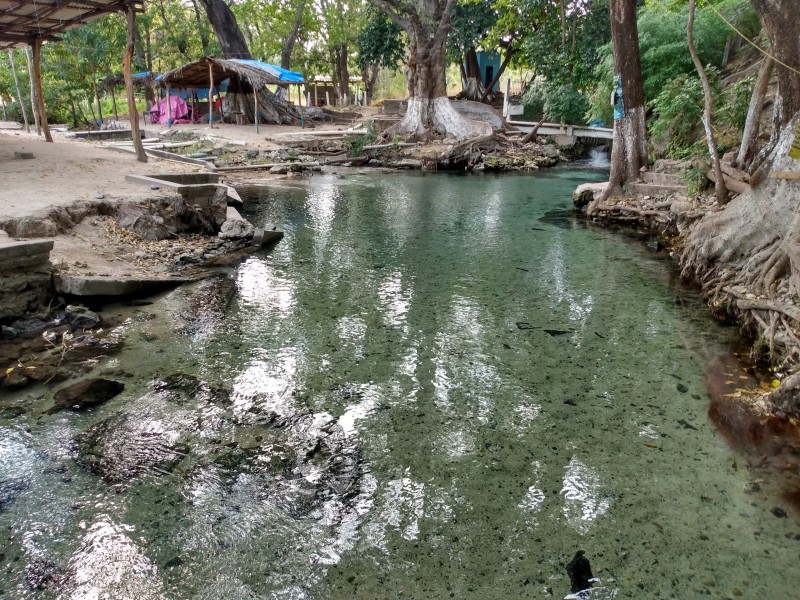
{"points": [[25, 277]]}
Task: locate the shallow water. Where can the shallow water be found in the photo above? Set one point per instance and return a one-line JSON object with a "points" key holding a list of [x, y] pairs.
{"points": [[434, 386]]}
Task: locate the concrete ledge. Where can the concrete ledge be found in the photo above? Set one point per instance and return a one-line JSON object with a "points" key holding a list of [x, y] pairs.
{"points": [[87, 285], [25, 261], [23, 248]]}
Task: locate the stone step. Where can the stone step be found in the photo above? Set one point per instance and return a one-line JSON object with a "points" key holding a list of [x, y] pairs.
{"points": [[660, 178], [653, 189]]}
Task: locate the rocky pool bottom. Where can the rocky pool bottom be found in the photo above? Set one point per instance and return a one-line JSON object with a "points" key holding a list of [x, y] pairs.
{"points": [[434, 386]]}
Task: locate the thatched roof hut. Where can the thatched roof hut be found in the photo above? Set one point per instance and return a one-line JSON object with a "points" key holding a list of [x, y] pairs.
{"points": [[209, 71]]}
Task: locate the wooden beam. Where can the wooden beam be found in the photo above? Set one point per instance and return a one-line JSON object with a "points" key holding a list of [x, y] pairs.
{"points": [[126, 69], [37, 74]]}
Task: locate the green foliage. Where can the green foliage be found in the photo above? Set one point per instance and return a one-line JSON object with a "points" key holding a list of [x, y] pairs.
{"points": [[677, 112], [558, 102], [380, 41], [356, 144], [472, 21], [566, 56], [735, 101]]}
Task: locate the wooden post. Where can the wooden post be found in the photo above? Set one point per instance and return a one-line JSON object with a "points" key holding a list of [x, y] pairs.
{"points": [[210, 95], [255, 112], [316, 99], [126, 70], [34, 109], [169, 107], [37, 74]]}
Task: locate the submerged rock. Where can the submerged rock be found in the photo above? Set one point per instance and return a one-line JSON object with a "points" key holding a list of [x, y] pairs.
{"points": [[10, 489], [89, 392], [81, 317], [123, 446]]}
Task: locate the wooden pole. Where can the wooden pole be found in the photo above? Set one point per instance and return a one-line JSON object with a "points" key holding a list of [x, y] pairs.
{"points": [[114, 103], [210, 95], [34, 109], [316, 99], [126, 69], [37, 74], [19, 94], [169, 107], [255, 112]]}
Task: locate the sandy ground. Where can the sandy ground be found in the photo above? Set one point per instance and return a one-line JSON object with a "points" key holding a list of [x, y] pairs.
{"points": [[71, 170]]}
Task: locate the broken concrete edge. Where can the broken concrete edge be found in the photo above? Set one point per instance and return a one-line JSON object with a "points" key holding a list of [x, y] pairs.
{"points": [[265, 236], [189, 190], [179, 158], [24, 248], [98, 286]]}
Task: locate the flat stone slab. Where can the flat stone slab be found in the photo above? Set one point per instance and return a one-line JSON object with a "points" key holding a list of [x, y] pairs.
{"points": [[94, 285], [16, 249]]}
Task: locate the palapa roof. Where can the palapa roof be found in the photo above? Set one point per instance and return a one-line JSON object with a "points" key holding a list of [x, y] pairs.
{"points": [[22, 22], [196, 74]]}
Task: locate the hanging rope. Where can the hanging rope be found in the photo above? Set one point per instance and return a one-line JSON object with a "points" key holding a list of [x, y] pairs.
{"points": [[753, 44]]}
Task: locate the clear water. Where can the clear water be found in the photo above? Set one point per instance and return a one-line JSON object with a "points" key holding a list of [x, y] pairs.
{"points": [[434, 386]]}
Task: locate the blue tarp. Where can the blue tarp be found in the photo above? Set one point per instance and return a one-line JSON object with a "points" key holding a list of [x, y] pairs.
{"points": [[274, 70]]}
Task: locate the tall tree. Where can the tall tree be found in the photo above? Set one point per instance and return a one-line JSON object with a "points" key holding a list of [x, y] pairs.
{"points": [[781, 20], [226, 29], [20, 101], [380, 44], [429, 112], [291, 38], [629, 150], [708, 106]]}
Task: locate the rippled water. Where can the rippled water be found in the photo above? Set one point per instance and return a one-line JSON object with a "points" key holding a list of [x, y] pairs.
{"points": [[434, 386]]}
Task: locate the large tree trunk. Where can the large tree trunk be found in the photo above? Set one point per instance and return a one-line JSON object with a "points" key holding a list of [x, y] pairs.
{"points": [[629, 150], [747, 150], [472, 87], [429, 112], [226, 29], [370, 77], [781, 20], [341, 73], [288, 43], [708, 99]]}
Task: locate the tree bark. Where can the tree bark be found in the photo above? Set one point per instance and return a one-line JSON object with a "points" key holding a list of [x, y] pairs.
{"points": [[19, 93], [629, 150], [472, 87], [708, 108], [342, 79], [747, 150], [226, 29], [781, 20], [429, 112], [288, 44], [34, 109]]}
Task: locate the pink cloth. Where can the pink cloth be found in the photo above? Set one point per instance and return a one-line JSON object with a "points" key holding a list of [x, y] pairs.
{"points": [[180, 111]]}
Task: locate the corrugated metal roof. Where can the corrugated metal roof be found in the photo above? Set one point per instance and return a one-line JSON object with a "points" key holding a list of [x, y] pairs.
{"points": [[24, 21]]}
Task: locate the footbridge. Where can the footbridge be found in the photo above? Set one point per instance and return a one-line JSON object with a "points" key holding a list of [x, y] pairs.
{"points": [[569, 133]]}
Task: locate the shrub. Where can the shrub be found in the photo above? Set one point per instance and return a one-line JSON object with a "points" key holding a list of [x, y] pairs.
{"points": [[557, 102]]}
